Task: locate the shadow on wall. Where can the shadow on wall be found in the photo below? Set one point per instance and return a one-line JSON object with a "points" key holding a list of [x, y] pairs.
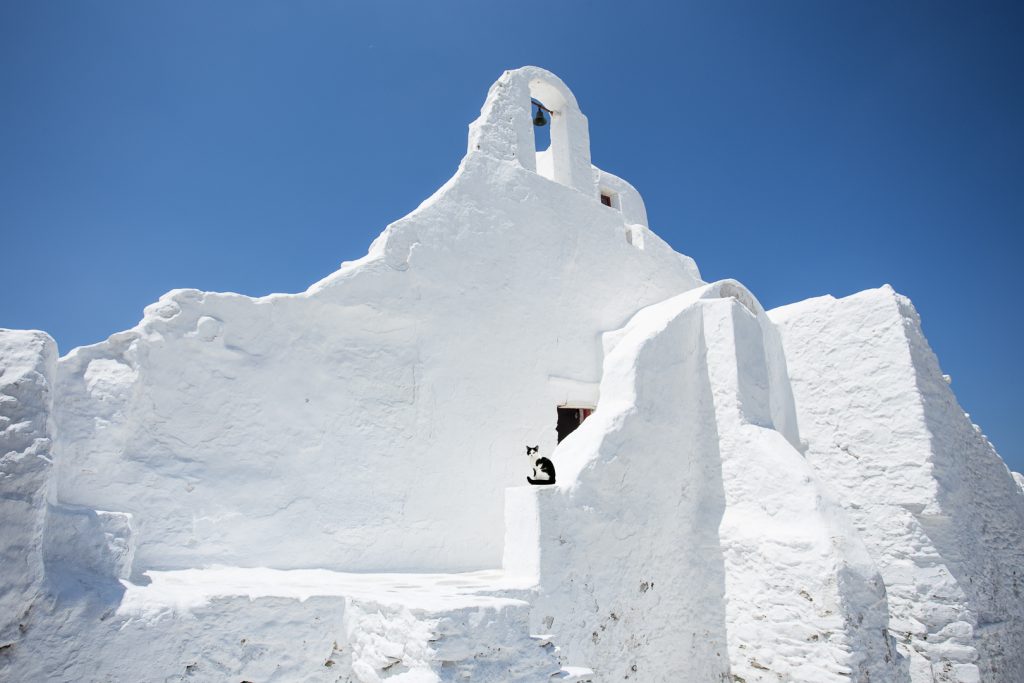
{"points": [[979, 531], [86, 553]]}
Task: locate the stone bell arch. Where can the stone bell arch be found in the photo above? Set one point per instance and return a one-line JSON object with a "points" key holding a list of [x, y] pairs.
{"points": [[505, 127]]}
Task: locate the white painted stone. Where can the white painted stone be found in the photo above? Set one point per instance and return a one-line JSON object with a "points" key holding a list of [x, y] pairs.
{"points": [[425, 371], [687, 538], [329, 486], [934, 503], [27, 364]]}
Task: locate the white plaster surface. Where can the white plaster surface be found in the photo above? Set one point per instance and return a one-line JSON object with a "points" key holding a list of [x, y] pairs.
{"points": [[329, 485], [425, 369], [687, 538], [27, 360], [935, 505]]}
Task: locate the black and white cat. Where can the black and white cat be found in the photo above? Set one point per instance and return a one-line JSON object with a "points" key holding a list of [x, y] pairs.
{"points": [[543, 469]]}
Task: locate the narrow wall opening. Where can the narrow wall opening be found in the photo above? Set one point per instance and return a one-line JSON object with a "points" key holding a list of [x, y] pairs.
{"points": [[561, 145], [542, 124]]}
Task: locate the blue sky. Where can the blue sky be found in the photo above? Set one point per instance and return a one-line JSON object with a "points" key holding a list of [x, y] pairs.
{"points": [[803, 148]]}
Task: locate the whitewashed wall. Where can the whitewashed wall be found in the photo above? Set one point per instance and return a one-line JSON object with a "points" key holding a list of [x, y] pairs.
{"points": [[373, 421]]}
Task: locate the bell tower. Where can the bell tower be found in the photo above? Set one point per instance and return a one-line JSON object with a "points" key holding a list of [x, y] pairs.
{"points": [[506, 125]]}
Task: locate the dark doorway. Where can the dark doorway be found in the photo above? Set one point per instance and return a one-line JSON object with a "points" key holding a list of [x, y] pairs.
{"points": [[569, 419]]}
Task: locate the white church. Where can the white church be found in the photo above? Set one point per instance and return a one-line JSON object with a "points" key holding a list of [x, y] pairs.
{"points": [[332, 485]]}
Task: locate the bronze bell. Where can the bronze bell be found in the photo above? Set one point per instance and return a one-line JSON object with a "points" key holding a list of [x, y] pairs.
{"points": [[539, 119]]}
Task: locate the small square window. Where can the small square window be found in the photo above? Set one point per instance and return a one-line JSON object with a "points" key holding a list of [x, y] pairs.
{"points": [[609, 198]]}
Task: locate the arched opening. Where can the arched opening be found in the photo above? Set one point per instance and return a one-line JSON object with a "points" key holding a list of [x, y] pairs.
{"points": [[551, 141], [557, 141]]}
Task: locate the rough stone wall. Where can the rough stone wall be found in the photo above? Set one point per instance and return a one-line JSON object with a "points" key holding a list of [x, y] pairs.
{"points": [[934, 504], [687, 538], [27, 360], [98, 637], [979, 525], [803, 599]]}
